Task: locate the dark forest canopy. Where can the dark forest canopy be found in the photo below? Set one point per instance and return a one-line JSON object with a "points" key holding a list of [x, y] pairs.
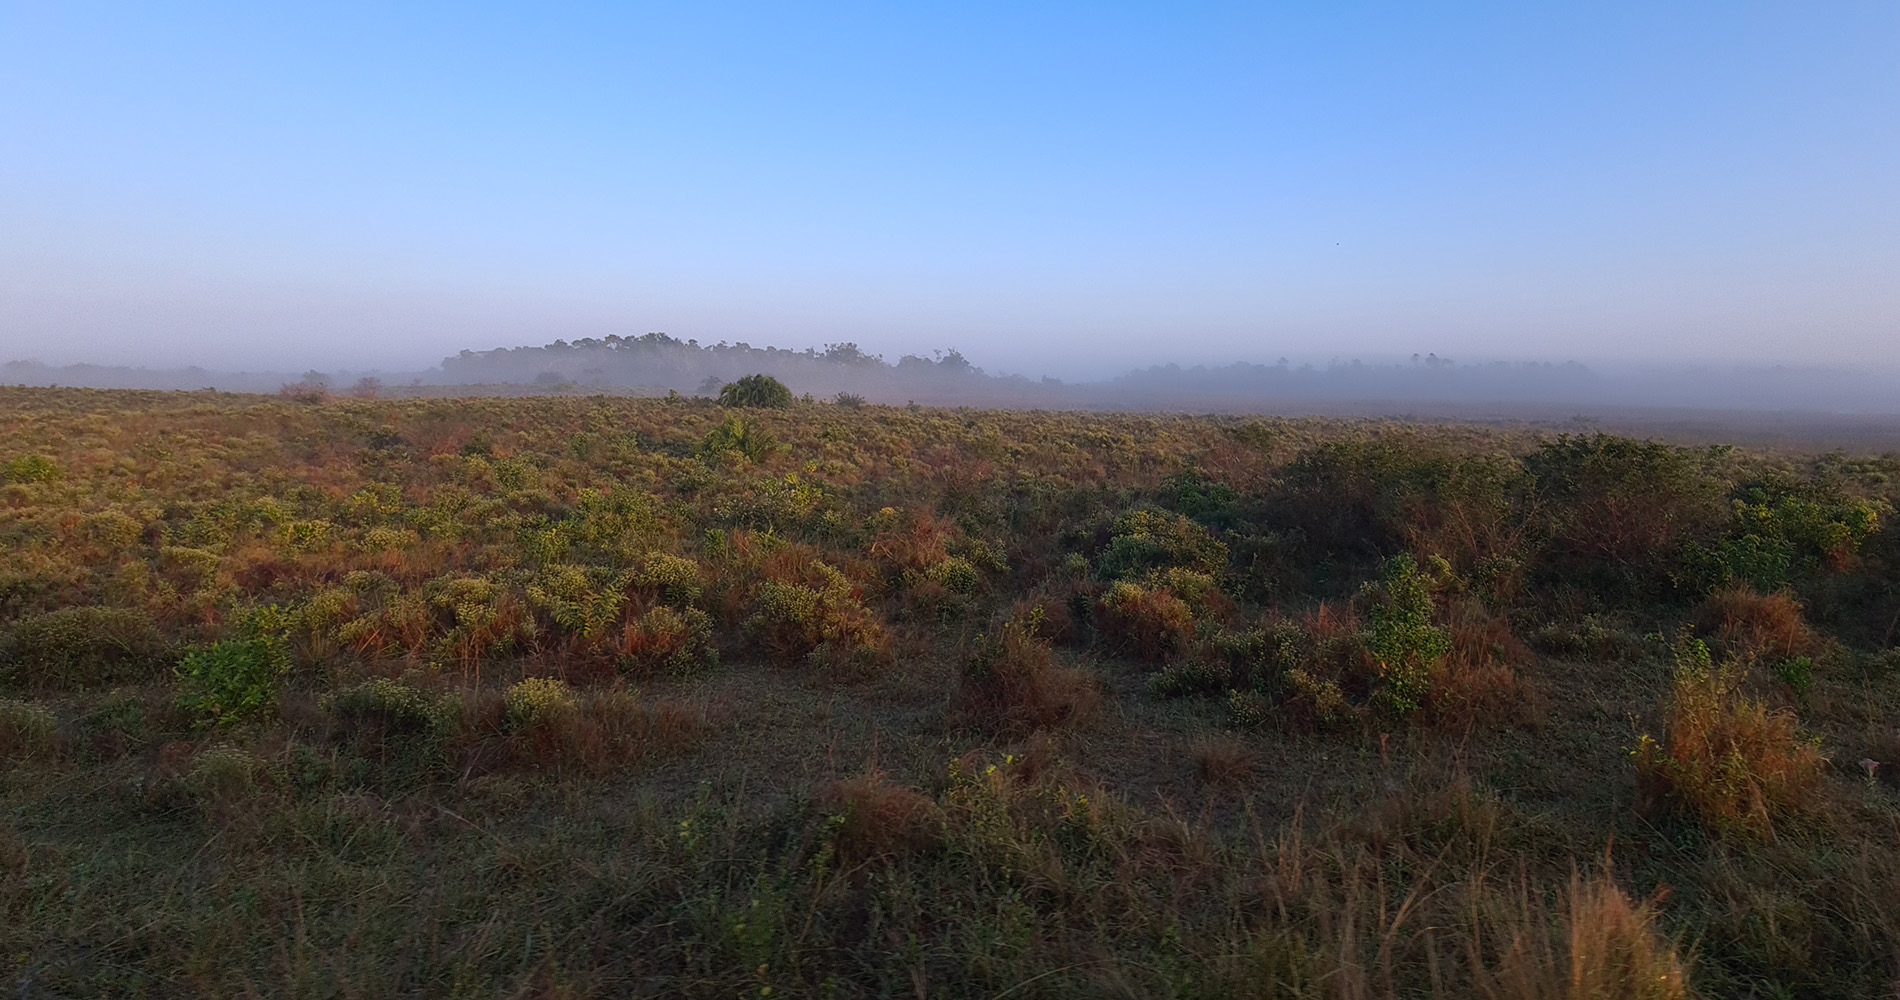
{"points": [[659, 361]]}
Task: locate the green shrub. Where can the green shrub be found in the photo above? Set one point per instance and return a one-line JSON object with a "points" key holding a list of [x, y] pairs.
{"points": [[742, 437], [1783, 529], [234, 679], [954, 574], [1204, 500], [756, 390], [1148, 540], [1622, 514], [118, 723], [1247, 709], [793, 620], [78, 647], [1011, 681], [223, 773], [26, 729], [1360, 499], [390, 705], [540, 701], [1193, 677], [772, 504], [671, 579], [33, 469], [1402, 638], [1797, 672]]}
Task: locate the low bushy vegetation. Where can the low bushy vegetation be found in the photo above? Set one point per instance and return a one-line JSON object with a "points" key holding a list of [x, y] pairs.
{"points": [[338, 695]]}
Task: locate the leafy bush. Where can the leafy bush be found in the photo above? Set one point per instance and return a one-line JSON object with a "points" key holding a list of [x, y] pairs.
{"points": [[1407, 645], [234, 679], [671, 579], [82, 646], [954, 574], [1797, 672], [772, 504], [222, 773], [1361, 499], [793, 620], [741, 437], [33, 469], [876, 818], [1725, 758], [1147, 540], [1192, 677], [1150, 625], [1783, 530], [1753, 626], [386, 704], [756, 390], [540, 701]]}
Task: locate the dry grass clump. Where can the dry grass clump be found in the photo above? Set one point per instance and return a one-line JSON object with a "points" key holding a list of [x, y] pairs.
{"points": [[1477, 681], [1601, 945], [1766, 627], [1724, 757], [81, 647], [1012, 682], [877, 818], [1222, 761], [26, 730]]}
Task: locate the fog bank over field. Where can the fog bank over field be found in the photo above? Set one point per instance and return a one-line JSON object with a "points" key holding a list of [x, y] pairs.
{"points": [[657, 364]]}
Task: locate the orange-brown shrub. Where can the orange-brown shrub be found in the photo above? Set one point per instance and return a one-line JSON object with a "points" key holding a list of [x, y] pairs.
{"points": [[1012, 682], [912, 541], [605, 730], [665, 640], [1756, 626], [1152, 625], [1726, 758], [878, 818], [1476, 682]]}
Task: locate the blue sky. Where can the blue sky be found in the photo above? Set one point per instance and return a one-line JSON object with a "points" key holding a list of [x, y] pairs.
{"points": [[1052, 188]]}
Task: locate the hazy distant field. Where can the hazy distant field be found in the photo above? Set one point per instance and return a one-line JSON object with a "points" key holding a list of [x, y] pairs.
{"points": [[601, 696]]}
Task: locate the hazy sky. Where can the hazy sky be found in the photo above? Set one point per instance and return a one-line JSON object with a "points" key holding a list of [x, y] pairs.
{"points": [[1060, 188]]}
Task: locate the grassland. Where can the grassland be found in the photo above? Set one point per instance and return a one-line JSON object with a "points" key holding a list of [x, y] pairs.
{"points": [[579, 697]]}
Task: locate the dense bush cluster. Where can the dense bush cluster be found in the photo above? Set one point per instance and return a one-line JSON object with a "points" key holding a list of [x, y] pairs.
{"points": [[900, 697]]}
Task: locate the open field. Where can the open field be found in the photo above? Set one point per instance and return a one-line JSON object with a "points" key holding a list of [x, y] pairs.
{"points": [[599, 696]]}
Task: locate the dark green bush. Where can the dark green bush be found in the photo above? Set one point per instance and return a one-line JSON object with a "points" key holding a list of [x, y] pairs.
{"points": [[234, 679], [1403, 639], [756, 390], [1621, 513]]}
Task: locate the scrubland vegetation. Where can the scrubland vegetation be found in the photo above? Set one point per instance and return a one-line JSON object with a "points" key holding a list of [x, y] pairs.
{"points": [[612, 697]]}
